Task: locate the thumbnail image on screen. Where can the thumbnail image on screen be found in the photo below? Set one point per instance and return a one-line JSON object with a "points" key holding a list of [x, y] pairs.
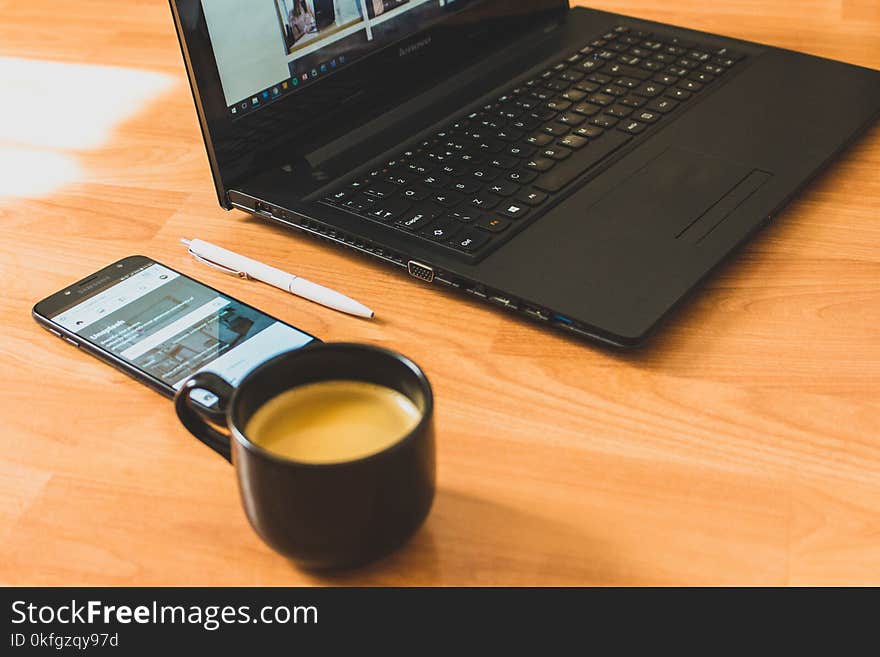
{"points": [[306, 21]]}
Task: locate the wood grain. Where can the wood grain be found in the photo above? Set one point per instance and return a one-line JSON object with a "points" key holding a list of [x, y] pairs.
{"points": [[741, 447]]}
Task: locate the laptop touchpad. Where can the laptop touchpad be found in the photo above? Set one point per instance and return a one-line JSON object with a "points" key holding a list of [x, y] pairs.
{"points": [[682, 194]]}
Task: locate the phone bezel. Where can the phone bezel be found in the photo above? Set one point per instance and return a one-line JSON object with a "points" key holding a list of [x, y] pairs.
{"points": [[71, 295]]}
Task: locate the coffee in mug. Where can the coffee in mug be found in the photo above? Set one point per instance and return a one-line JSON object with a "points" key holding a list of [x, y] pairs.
{"points": [[332, 421]]}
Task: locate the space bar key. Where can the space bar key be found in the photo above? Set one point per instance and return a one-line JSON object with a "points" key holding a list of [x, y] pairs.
{"points": [[564, 172]]}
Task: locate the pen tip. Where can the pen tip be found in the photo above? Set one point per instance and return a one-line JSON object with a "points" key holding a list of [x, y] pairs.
{"points": [[185, 241]]}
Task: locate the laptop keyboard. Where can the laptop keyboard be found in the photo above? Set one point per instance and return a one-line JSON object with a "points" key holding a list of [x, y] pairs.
{"points": [[492, 171]]}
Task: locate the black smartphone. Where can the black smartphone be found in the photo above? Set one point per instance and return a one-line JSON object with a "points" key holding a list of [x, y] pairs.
{"points": [[161, 326]]}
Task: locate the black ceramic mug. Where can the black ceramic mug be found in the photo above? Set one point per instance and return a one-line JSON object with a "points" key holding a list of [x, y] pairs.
{"points": [[331, 515]]}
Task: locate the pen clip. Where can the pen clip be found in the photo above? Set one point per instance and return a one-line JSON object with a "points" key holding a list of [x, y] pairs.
{"points": [[218, 267]]}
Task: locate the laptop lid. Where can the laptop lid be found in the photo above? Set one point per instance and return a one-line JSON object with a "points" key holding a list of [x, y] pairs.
{"points": [[275, 80]]}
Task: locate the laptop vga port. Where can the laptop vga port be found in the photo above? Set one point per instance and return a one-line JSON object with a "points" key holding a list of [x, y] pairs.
{"points": [[420, 271]]}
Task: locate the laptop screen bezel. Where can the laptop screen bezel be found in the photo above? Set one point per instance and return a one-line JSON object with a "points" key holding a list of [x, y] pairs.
{"points": [[240, 147]]}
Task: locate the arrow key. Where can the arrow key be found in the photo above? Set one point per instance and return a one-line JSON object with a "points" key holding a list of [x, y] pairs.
{"points": [[441, 231]]}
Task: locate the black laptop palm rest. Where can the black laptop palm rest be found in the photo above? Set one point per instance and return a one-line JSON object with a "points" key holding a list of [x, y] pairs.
{"points": [[487, 174]]}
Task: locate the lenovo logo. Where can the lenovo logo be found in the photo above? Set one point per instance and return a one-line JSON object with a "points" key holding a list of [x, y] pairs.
{"points": [[414, 47]]}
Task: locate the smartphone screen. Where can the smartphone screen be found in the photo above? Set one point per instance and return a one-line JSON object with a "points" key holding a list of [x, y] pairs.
{"points": [[169, 327]]}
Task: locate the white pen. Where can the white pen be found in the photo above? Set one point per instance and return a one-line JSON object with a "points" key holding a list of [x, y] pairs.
{"points": [[238, 265]]}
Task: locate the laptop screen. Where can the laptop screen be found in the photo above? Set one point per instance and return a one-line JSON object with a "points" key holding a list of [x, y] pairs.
{"points": [[269, 49]]}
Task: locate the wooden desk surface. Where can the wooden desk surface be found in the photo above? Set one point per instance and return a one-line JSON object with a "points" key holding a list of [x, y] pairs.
{"points": [[741, 447]]}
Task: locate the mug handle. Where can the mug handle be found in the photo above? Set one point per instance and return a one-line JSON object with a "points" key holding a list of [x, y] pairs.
{"points": [[196, 418]]}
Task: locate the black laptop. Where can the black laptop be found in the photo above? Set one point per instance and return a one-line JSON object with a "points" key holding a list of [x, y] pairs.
{"points": [[582, 169]]}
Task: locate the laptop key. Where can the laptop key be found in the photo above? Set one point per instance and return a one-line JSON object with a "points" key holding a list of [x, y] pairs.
{"points": [[650, 90], [614, 90], [379, 189], [701, 76], [632, 101], [504, 161], [727, 53], [509, 135], [446, 199], [591, 64], [567, 171], [467, 158], [647, 116], [465, 215], [523, 177], [399, 179], [415, 193], [485, 174], [514, 210], [416, 219], [442, 230], [587, 109], [503, 188], [629, 83], [601, 99], [416, 167], [521, 150], [540, 164], [604, 121], [632, 127], [532, 197], [388, 209], [589, 131], [358, 203], [619, 111], [556, 129], [436, 180], [662, 105], [574, 95], [339, 197], [556, 153], [570, 118], [665, 79], [586, 87], [573, 142], [493, 224], [624, 71], [484, 201], [539, 139], [726, 62], [470, 241], [559, 105], [465, 186]]}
